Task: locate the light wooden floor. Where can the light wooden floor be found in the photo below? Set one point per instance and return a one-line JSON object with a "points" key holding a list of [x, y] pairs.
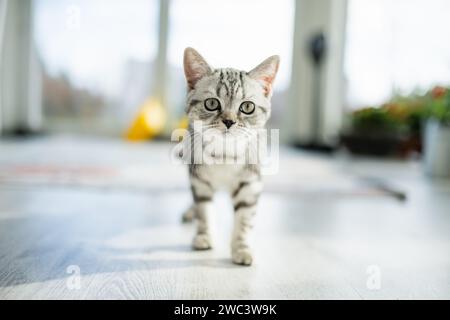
{"points": [[129, 244]]}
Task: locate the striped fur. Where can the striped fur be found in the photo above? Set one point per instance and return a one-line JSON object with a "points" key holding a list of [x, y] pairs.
{"points": [[243, 181]]}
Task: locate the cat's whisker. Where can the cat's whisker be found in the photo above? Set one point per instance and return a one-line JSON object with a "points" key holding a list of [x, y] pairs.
{"points": [[209, 126], [248, 133]]}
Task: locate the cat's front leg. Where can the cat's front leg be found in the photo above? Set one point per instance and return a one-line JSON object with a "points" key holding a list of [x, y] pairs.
{"points": [[203, 195], [245, 200]]}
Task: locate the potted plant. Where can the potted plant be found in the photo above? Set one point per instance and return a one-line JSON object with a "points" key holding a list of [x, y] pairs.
{"points": [[437, 133], [374, 131], [392, 129]]}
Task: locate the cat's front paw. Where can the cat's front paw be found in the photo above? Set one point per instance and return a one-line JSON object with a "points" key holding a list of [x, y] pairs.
{"points": [[202, 242], [242, 257]]}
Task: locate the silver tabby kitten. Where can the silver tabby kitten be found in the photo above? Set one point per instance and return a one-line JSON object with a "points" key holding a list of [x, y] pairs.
{"points": [[233, 103]]}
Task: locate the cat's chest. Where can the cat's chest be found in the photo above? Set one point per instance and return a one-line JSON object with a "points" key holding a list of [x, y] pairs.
{"points": [[222, 176]]}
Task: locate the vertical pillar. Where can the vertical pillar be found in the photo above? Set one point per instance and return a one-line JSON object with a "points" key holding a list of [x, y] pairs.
{"points": [[3, 8], [313, 17], [20, 76], [161, 72]]}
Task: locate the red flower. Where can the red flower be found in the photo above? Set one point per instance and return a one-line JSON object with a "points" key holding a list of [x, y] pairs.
{"points": [[438, 92]]}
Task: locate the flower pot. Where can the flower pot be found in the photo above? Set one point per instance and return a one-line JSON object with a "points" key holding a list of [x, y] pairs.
{"points": [[437, 149], [380, 145]]}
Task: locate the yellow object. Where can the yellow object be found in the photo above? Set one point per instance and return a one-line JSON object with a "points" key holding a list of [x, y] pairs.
{"points": [[184, 123], [149, 123]]}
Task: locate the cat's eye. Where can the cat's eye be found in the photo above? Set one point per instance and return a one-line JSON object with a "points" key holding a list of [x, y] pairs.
{"points": [[247, 107], [212, 104]]}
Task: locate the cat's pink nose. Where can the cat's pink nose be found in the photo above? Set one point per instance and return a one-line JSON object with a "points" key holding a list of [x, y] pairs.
{"points": [[228, 123]]}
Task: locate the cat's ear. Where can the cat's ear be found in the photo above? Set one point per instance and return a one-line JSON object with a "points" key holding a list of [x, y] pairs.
{"points": [[195, 67], [265, 73]]}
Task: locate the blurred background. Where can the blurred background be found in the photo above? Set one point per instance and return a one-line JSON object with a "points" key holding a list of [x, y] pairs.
{"points": [[91, 90]]}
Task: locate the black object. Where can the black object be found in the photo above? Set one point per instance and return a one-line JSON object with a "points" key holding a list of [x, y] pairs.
{"points": [[21, 132], [317, 48]]}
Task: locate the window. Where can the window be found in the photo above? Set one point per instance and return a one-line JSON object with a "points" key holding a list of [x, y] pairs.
{"points": [[396, 46], [97, 60]]}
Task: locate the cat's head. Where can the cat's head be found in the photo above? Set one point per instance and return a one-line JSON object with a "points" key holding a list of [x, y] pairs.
{"points": [[227, 99]]}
